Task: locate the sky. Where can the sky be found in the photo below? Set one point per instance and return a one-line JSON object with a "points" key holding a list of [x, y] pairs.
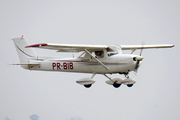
{"points": [[56, 95]]}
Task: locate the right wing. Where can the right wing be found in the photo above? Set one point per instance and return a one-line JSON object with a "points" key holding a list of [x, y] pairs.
{"points": [[130, 47]]}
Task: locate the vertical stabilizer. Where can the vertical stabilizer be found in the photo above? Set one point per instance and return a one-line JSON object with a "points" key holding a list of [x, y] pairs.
{"points": [[25, 54]]}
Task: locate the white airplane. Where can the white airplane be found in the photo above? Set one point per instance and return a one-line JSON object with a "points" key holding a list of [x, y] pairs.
{"points": [[95, 59]]}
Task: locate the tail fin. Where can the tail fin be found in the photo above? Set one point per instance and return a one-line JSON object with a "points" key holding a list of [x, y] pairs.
{"points": [[24, 53]]}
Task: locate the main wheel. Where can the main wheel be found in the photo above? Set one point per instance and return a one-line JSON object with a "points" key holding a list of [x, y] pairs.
{"points": [[130, 85], [88, 86], [116, 85]]}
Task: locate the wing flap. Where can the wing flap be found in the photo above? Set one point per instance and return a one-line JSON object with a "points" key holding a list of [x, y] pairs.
{"points": [[68, 47]]}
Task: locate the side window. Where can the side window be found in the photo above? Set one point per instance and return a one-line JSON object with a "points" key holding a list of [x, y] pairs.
{"points": [[99, 54]]}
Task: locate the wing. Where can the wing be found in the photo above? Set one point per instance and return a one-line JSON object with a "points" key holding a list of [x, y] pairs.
{"points": [[69, 47], [78, 48], [130, 47]]}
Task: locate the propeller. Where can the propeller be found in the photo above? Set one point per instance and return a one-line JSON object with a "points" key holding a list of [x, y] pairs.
{"points": [[139, 58], [137, 66]]}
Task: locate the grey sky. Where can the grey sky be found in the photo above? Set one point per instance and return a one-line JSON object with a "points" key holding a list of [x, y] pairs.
{"points": [[55, 95]]}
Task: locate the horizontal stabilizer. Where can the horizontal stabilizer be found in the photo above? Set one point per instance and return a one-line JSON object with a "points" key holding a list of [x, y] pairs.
{"points": [[23, 63]]}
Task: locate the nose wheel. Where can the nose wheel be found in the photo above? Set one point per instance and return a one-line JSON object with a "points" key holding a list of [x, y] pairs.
{"points": [[127, 76]]}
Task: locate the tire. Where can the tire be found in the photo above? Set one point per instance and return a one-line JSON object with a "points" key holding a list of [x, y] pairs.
{"points": [[130, 85], [116, 85], [87, 86]]}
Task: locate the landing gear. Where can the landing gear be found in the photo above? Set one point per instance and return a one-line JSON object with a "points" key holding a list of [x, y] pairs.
{"points": [[116, 85], [88, 86], [112, 82], [116, 82], [126, 75], [130, 85]]}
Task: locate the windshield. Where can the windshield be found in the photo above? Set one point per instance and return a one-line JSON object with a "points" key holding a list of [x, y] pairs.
{"points": [[115, 49]]}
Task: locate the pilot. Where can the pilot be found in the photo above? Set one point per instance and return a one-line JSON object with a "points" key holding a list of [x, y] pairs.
{"points": [[99, 54]]}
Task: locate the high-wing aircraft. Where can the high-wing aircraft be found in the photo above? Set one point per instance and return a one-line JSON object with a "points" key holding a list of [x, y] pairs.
{"points": [[95, 59]]}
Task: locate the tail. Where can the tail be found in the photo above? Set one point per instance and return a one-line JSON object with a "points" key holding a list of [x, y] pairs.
{"points": [[25, 54]]}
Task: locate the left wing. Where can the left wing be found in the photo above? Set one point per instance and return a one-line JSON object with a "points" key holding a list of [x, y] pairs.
{"points": [[69, 47]]}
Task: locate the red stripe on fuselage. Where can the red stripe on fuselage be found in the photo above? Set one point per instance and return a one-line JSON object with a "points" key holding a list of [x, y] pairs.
{"points": [[90, 62], [87, 62]]}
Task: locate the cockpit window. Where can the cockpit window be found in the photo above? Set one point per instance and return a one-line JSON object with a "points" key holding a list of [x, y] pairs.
{"points": [[113, 50]]}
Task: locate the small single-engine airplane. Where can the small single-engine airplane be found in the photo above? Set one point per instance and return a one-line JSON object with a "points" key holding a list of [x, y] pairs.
{"points": [[95, 59]]}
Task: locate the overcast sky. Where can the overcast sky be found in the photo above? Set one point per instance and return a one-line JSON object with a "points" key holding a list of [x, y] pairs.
{"points": [[56, 95]]}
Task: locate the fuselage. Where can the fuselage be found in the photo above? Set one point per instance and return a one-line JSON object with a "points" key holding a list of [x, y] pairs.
{"points": [[119, 63]]}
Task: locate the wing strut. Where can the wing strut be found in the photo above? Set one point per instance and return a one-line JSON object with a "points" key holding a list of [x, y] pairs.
{"points": [[133, 50], [96, 59], [109, 78]]}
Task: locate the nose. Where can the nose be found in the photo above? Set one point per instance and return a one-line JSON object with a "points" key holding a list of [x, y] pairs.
{"points": [[137, 58]]}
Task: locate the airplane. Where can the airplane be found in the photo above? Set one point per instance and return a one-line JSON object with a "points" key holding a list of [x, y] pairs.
{"points": [[94, 59]]}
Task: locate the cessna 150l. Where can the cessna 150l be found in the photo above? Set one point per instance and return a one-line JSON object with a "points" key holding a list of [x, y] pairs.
{"points": [[95, 59]]}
